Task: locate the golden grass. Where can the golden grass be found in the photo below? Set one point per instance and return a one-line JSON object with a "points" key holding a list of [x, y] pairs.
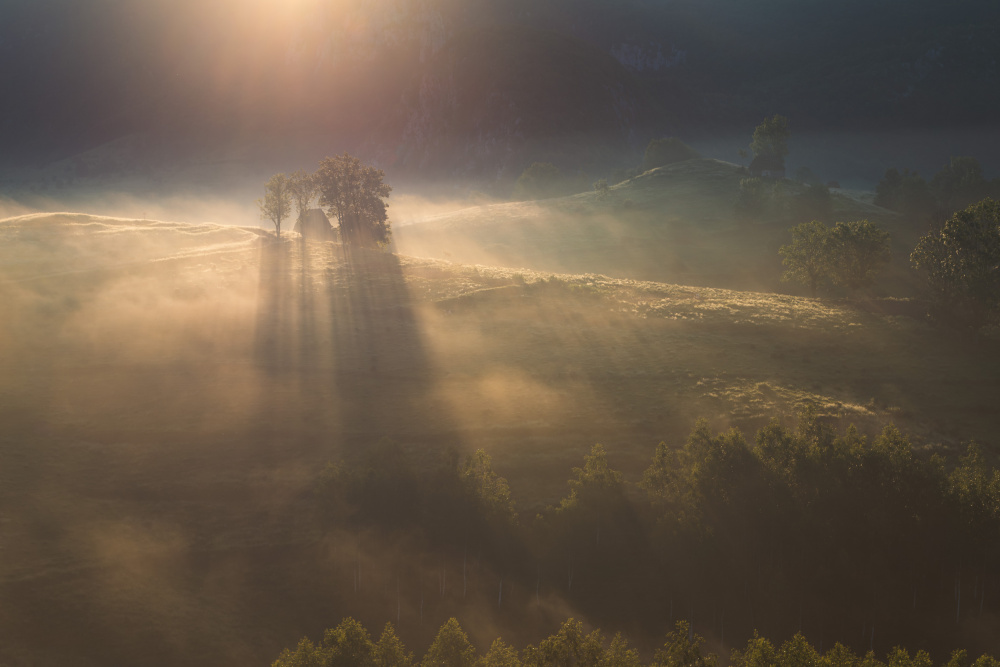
{"points": [[166, 409]]}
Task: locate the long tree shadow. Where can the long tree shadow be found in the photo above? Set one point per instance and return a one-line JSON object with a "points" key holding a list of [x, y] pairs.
{"points": [[340, 347], [379, 356]]}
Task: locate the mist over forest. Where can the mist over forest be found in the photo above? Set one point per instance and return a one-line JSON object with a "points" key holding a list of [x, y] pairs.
{"points": [[500, 332]]}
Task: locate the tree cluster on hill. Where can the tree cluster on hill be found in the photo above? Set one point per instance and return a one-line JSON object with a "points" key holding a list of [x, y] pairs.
{"points": [[766, 193], [796, 529], [961, 261], [957, 185], [850, 254], [352, 192], [769, 145]]}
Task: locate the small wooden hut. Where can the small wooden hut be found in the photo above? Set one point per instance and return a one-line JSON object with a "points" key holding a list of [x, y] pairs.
{"points": [[313, 225]]}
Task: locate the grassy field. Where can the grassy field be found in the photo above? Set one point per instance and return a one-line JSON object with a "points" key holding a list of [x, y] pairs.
{"points": [[169, 392], [671, 224]]}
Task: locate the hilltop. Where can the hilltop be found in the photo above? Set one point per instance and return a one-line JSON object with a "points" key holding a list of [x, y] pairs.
{"points": [[676, 223]]}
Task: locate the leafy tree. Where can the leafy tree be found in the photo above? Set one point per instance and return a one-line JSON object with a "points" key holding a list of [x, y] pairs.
{"points": [[303, 189], [807, 257], [390, 651], [451, 648], [858, 251], [276, 205], [976, 492], [501, 654], [306, 654], [659, 479], [759, 652], [666, 151], [567, 648], [683, 649], [488, 487], [839, 656], [619, 654], [770, 138], [900, 657], [962, 264], [797, 652], [355, 194], [595, 483], [349, 645]]}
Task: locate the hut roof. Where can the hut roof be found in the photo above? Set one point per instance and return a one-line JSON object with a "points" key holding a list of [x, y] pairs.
{"points": [[313, 224]]}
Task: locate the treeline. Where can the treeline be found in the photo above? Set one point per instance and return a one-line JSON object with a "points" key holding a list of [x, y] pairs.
{"points": [[833, 534], [350, 644], [957, 185], [959, 261]]}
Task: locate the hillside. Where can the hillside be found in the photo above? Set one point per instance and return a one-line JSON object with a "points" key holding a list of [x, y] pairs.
{"points": [[675, 224], [169, 393]]}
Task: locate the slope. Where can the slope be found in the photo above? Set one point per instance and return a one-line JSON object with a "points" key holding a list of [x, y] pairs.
{"points": [[165, 419], [675, 224]]}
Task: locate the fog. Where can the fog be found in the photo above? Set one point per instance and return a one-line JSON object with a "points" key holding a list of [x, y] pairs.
{"points": [[175, 385], [182, 387]]}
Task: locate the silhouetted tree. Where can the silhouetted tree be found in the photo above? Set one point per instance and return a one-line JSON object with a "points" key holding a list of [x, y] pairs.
{"points": [[501, 654], [858, 251], [961, 262], [618, 654], [303, 189], [488, 487], [770, 142], [683, 649], [390, 650], [349, 645], [451, 648], [568, 647], [807, 257], [276, 205], [355, 194]]}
